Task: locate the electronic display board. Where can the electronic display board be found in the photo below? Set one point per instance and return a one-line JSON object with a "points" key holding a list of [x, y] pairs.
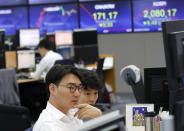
{"points": [[107, 17], [13, 18], [33, 2], [12, 2], [54, 17], [148, 15]]}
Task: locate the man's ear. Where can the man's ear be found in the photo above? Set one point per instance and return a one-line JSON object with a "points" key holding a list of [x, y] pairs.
{"points": [[52, 88]]}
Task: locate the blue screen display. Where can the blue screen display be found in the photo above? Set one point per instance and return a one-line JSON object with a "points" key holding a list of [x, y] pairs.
{"points": [[148, 15], [12, 2], [54, 17], [49, 1], [107, 17], [96, 0], [13, 18]]}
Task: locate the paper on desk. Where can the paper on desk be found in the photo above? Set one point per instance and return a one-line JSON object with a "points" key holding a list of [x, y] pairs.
{"points": [[108, 62]]}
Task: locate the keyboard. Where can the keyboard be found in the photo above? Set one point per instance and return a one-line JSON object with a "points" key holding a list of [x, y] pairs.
{"points": [[23, 76]]}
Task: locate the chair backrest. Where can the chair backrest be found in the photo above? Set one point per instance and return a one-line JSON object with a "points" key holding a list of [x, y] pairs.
{"points": [[99, 69], [65, 62], [14, 118], [9, 90]]}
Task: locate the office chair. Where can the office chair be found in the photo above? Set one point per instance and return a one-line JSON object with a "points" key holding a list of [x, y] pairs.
{"points": [[99, 69], [104, 96], [9, 93], [14, 118], [65, 62]]}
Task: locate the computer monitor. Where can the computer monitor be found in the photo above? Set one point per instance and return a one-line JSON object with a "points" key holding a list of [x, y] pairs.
{"points": [[25, 59], [156, 87], [85, 45], [29, 37], [112, 121], [174, 54], [2, 38], [14, 118], [85, 37], [63, 38]]}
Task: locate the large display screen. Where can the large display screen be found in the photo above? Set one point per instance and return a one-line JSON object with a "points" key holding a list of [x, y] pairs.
{"points": [[107, 17], [96, 0], [12, 19], [49, 1], [12, 2], [148, 15], [54, 17]]}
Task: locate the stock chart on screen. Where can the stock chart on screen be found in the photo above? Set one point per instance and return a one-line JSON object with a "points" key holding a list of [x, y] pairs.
{"points": [[49, 1], [55, 17], [107, 17], [13, 18], [148, 15]]}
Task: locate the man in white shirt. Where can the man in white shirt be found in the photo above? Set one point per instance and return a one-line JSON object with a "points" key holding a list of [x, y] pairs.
{"points": [[48, 59], [64, 86]]}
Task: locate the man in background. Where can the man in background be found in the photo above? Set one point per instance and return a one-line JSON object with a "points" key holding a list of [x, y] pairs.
{"points": [[48, 59]]}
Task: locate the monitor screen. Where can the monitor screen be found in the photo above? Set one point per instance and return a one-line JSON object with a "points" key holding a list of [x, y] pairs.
{"points": [[12, 2], [26, 59], [86, 54], [49, 1], [156, 87], [49, 18], [112, 121], [148, 15], [107, 17], [63, 38], [83, 37], [29, 37], [13, 18]]}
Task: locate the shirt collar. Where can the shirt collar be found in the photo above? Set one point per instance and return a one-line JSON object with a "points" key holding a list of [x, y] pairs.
{"points": [[54, 111]]}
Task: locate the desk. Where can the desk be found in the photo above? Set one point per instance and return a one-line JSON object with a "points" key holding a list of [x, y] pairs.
{"points": [[109, 73], [20, 81]]}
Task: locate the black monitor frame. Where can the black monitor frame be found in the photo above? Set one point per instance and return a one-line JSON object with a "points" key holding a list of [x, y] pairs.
{"points": [[168, 28], [174, 84], [83, 37], [85, 43], [156, 87]]}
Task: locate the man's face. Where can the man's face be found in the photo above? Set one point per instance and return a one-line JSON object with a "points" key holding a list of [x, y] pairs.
{"points": [[89, 96], [62, 96], [42, 51]]}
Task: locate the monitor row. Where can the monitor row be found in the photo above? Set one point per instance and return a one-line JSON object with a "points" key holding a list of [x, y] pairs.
{"points": [[107, 16], [80, 37]]}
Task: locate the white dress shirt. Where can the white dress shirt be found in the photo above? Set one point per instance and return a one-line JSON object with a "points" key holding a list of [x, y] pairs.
{"points": [[51, 119], [45, 64]]}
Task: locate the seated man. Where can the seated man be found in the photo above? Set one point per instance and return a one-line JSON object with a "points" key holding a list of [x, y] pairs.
{"points": [[48, 59], [64, 87], [89, 95]]}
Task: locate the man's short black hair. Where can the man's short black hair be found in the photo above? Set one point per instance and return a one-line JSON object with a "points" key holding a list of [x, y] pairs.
{"points": [[46, 44], [91, 80], [57, 72]]}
